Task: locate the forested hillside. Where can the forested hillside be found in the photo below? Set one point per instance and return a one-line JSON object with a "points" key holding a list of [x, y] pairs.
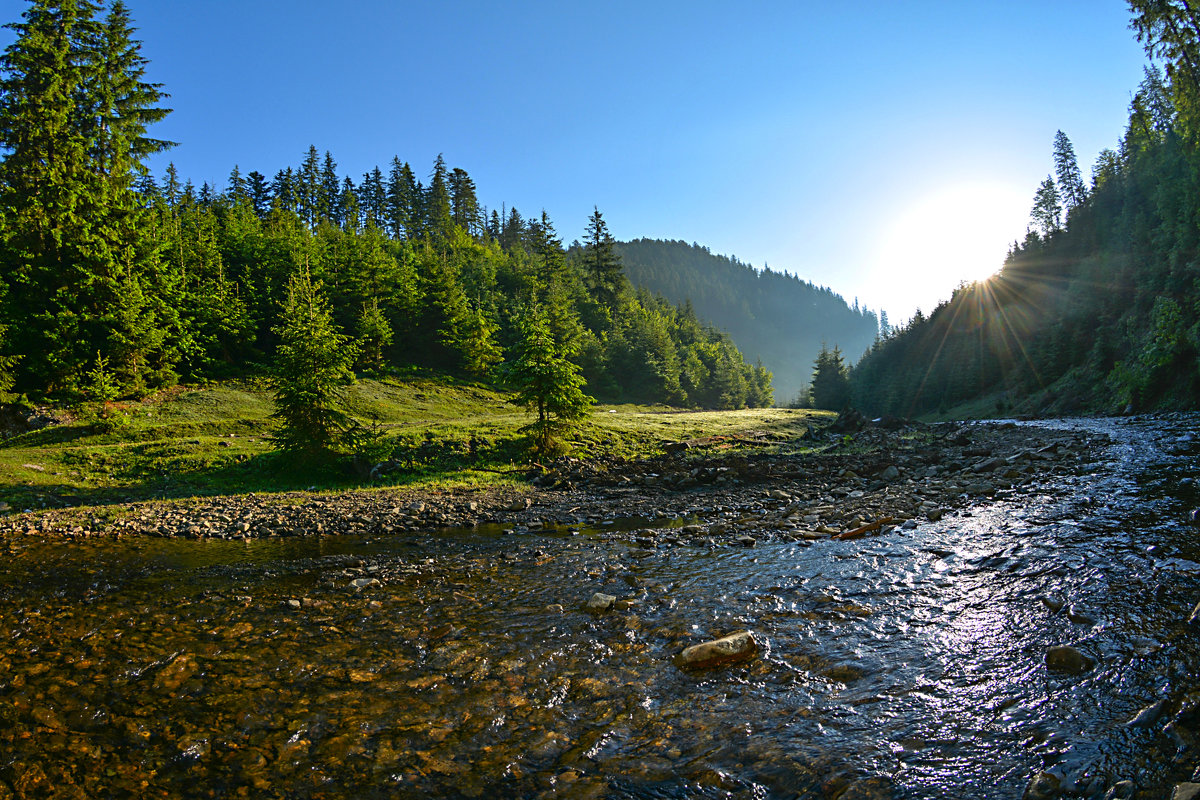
{"points": [[115, 283], [1098, 308], [772, 316]]}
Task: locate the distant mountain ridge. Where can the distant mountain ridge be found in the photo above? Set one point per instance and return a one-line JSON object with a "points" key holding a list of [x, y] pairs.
{"points": [[771, 316]]}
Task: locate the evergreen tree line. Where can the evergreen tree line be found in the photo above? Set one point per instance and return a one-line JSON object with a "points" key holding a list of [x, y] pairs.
{"points": [[1098, 307], [774, 317], [160, 281]]}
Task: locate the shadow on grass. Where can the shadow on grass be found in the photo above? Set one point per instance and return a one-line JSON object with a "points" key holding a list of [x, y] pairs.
{"points": [[265, 473]]}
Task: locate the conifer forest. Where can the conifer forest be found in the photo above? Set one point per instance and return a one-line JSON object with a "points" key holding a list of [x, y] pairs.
{"points": [[153, 280]]}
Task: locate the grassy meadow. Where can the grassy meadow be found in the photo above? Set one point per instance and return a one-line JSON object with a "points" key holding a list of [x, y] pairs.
{"points": [[216, 439]]}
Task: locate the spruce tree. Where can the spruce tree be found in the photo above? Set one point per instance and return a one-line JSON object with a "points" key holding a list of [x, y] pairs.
{"points": [[601, 264], [830, 389], [546, 382], [74, 110], [1066, 167], [1046, 216], [436, 202], [311, 370], [402, 201]]}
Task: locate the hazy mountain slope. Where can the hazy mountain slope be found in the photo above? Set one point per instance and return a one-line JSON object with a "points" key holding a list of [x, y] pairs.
{"points": [[770, 315]]}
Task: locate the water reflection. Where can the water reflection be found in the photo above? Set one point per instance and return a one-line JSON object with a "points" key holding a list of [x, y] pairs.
{"points": [[461, 664]]}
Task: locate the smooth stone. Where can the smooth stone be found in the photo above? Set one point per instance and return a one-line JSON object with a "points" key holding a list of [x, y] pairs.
{"points": [[734, 647], [1065, 658], [1042, 786], [1148, 715], [1186, 791], [600, 602], [1121, 791], [1052, 603], [1079, 617]]}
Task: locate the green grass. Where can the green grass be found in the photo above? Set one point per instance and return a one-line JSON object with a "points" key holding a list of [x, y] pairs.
{"points": [[216, 440]]}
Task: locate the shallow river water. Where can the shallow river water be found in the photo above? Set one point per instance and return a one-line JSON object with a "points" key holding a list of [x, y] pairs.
{"points": [[911, 664]]}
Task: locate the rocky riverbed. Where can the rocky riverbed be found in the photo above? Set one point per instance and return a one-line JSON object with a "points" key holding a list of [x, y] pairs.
{"points": [[847, 481], [1000, 610]]}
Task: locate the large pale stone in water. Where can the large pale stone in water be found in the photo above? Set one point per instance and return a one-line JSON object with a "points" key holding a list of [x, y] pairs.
{"points": [[734, 647]]}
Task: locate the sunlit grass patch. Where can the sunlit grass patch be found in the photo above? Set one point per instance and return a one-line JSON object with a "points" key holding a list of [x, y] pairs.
{"points": [[432, 433]]}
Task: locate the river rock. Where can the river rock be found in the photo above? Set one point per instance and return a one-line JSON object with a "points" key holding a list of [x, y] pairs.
{"points": [[891, 473], [1120, 791], [176, 673], [362, 583], [738, 646], [1186, 791], [1042, 786], [599, 603], [1080, 617], [1053, 603], [1065, 658], [1194, 619], [1148, 715]]}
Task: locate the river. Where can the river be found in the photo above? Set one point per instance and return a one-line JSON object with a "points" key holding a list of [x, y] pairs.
{"points": [[460, 663]]}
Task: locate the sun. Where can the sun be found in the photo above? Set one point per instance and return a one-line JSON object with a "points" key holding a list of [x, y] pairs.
{"points": [[936, 241]]}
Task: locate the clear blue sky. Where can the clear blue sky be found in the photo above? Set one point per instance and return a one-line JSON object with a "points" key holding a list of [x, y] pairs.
{"points": [[868, 147]]}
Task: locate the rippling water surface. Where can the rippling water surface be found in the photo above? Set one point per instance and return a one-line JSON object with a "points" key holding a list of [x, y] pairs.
{"points": [[910, 664]]}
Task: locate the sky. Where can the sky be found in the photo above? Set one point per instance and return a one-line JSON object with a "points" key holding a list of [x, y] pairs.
{"points": [[887, 150]]}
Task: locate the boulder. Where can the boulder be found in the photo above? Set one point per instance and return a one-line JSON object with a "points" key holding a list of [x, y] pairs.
{"points": [[735, 647]]}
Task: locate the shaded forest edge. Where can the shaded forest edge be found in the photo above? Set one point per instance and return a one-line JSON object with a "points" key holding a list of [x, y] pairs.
{"points": [[1097, 310], [115, 284]]}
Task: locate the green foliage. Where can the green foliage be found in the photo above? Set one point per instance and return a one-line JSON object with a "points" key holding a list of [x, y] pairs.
{"points": [[311, 370], [546, 382], [103, 389], [601, 264], [83, 273], [1066, 167], [373, 334], [1046, 216], [830, 388]]}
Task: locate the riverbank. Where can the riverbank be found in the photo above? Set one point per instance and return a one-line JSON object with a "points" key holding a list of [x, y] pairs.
{"points": [[849, 475]]}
